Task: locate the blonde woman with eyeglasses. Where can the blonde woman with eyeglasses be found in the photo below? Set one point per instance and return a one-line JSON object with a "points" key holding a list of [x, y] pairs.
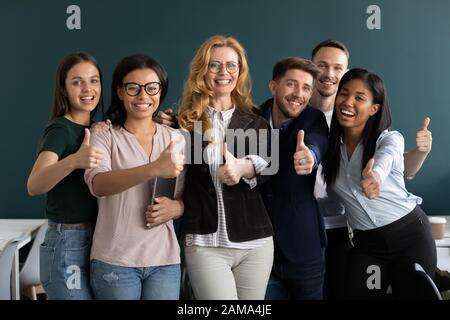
{"points": [[227, 231]]}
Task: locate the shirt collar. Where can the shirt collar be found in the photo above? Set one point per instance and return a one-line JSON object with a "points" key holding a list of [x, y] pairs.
{"points": [[225, 114], [268, 116]]}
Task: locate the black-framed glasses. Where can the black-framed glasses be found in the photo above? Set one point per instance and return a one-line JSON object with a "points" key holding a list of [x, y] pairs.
{"points": [[216, 66], [133, 88]]}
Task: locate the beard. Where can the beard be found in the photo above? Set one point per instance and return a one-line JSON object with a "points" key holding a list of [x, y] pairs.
{"points": [[286, 111]]}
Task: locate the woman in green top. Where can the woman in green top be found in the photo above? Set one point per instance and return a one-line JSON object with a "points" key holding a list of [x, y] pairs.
{"points": [[64, 153]]}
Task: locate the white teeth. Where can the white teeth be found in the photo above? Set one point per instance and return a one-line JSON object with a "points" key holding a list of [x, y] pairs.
{"points": [[293, 101], [142, 106], [87, 98], [347, 113], [223, 82]]}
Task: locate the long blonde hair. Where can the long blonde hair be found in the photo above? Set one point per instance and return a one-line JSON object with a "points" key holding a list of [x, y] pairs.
{"points": [[196, 94]]}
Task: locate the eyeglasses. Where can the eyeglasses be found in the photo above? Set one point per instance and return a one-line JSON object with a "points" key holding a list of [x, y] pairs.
{"points": [[216, 66], [134, 89]]}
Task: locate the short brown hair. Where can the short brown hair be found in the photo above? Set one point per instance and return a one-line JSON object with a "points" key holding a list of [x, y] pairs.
{"points": [[330, 43], [282, 66]]}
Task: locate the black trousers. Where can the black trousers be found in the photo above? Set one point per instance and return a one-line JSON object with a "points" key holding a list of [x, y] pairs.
{"points": [[385, 256], [336, 257]]}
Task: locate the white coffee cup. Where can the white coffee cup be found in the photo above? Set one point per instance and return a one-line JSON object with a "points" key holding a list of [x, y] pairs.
{"points": [[438, 225]]}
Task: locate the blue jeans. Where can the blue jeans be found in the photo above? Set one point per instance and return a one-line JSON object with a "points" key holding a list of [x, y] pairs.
{"points": [[290, 281], [64, 262], [112, 282]]}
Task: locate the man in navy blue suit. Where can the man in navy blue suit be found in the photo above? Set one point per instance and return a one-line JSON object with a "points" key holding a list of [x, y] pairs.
{"points": [[299, 265]]}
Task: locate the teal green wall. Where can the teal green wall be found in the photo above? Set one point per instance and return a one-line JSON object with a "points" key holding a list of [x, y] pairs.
{"points": [[411, 52]]}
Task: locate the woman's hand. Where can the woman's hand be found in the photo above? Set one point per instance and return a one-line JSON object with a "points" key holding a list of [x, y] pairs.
{"points": [[163, 210], [101, 126], [371, 181], [87, 156], [234, 169], [169, 165], [424, 138], [166, 117]]}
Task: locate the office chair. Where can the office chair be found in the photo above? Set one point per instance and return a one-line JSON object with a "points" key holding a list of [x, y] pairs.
{"points": [[6, 262], [424, 287], [30, 271]]}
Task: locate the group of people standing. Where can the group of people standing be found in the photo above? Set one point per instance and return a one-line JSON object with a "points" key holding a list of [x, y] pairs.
{"points": [[245, 234]]}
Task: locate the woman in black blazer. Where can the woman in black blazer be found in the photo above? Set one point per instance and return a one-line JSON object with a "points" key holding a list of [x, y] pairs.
{"points": [[226, 228]]}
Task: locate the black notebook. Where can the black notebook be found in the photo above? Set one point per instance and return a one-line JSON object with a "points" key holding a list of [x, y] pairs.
{"points": [[162, 187]]}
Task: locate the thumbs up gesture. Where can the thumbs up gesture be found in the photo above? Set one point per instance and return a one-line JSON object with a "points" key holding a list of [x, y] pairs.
{"points": [[303, 159], [87, 156], [169, 164], [87, 137], [230, 172], [371, 181], [423, 137]]}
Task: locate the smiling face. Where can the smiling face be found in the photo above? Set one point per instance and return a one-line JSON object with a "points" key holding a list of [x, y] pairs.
{"points": [[292, 92], [333, 63], [354, 105], [83, 88], [142, 105], [223, 82]]}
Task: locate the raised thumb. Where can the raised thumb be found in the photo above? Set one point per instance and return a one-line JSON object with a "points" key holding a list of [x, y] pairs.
{"points": [[225, 151], [425, 124], [169, 147], [300, 138], [369, 167], [87, 137]]}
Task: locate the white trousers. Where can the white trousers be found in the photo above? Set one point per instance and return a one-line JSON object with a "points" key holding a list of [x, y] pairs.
{"points": [[229, 274]]}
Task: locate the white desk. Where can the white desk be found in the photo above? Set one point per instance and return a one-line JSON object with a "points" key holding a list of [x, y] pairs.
{"points": [[21, 230], [443, 248]]}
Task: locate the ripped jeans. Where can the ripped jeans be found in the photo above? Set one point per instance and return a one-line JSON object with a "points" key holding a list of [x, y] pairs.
{"points": [[112, 282]]}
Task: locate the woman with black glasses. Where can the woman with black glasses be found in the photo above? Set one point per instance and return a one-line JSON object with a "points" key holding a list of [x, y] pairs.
{"points": [[129, 260]]}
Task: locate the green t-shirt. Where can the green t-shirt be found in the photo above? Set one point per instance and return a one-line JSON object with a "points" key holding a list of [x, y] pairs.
{"points": [[70, 200]]}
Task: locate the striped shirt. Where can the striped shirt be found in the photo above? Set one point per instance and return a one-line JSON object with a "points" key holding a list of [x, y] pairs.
{"points": [[220, 121]]}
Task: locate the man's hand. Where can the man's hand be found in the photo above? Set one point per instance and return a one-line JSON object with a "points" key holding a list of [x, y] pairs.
{"points": [[303, 159]]}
